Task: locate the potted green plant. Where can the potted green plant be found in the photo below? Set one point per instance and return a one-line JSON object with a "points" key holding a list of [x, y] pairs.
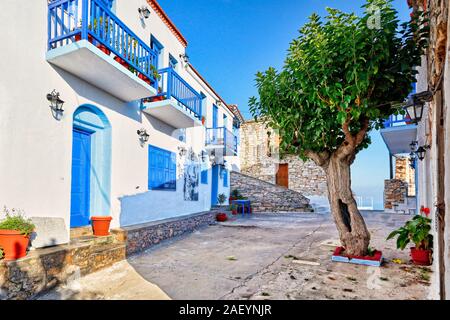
{"points": [[221, 199], [235, 195], [15, 231], [106, 27], [417, 231], [221, 217]]}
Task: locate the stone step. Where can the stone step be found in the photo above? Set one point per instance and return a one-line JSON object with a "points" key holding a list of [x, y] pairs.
{"points": [[106, 255], [93, 240], [80, 232]]}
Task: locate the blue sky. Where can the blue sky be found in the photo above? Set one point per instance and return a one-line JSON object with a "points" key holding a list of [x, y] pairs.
{"points": [[230, 40]]}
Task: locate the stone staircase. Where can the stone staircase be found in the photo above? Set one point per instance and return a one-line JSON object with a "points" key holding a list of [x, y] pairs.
{"points": [[268, 197]]}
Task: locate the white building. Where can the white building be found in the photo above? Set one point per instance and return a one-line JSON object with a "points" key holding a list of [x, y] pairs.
{"points": [[431, 139], [100, 56]]}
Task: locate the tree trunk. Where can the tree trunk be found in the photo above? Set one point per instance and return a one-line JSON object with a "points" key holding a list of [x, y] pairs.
{"points": [[352, 229]]}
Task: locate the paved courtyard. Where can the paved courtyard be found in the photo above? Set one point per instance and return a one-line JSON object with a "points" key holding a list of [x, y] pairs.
{"points": [[284, 256]]}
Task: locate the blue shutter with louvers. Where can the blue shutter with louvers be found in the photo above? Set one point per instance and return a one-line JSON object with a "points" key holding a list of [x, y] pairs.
{"points": [[204, 176], [162, 168], [225, 178]]}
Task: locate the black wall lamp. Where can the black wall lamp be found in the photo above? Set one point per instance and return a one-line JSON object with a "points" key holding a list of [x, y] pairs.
{"points": [[414, 106], [144, 12], [143, 135], [55, 101], [421, 152], [185, 58]]}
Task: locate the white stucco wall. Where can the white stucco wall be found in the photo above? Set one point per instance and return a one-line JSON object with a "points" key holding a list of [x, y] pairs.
{"points": [[36, 149]]}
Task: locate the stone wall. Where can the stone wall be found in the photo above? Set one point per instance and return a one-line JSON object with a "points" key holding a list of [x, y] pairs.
{"points": [[267, 197], [46, 268], [144, 236], [259, 156], [395, 191], [404, 172], [43, 269]]}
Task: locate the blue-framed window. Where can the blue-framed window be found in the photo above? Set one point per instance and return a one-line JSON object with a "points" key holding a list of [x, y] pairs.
{"points": [[173, 62], [158, 48], [204, 176], [162, 169], [225, 178]]}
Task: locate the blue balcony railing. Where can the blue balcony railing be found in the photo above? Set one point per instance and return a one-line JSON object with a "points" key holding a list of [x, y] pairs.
{"points": [[397, 120], [74, 20], [221, 137], [172, 85]]}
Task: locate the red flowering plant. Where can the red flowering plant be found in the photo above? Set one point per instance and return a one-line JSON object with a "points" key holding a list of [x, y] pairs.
{"points": [[425, 211]]}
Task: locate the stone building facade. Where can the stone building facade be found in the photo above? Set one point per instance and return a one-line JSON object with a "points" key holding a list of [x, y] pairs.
{"points": [[404, 172], [259, 158], [400, 192], [433, 178]]}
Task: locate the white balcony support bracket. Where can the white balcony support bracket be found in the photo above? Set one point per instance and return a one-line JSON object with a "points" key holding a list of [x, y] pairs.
{"points": [[172, 112], [90, 64], [399, 138]]}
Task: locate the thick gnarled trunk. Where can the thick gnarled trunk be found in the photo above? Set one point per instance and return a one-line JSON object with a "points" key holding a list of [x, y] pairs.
{"points": [[351, 226]]}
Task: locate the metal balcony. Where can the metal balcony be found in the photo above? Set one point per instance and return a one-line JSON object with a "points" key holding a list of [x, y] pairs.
{"points": [[221, 138], [177, 103], [86, 39], [398, 133]]}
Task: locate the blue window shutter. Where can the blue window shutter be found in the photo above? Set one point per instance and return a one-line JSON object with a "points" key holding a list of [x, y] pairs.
{"points": [[162, 168], [225, 178], [204, 176]]}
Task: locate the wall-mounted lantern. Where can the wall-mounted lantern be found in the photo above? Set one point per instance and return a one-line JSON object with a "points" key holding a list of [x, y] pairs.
{"points": [[55, 101], [185, 58], [413, 146], [219, 103], [143, 135], [421, 152], [144, 12], [212, 158], [414, 106], [203, 155], [182, 151]]}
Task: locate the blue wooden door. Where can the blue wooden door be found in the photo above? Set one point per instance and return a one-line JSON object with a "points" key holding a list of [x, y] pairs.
{"points": [[215, 185], [81, 168]]}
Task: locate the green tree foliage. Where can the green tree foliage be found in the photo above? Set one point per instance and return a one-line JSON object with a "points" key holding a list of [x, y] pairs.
{"points": [[342, 77]]}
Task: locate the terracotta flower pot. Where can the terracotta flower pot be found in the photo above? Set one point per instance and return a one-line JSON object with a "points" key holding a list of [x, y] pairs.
{"points": [[104, 49], [145, 78], [234, 212], [14, 244], [421, 257], [100, 226], [122, 62], [157, 98], [221, 217], [78, 38]]}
